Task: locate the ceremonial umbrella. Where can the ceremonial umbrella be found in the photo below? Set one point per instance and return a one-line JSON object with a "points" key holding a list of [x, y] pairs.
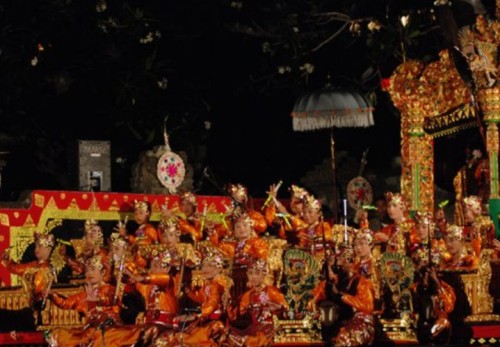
{"points": [[330, 108]]}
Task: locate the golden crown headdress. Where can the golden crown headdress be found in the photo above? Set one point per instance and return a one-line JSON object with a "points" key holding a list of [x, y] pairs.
{"points": [[238, 191], [312, 202], [90, 224], [298, 192], [117, 240], [214, 257], [96, 262], [424, 217], [258, 265], [396, 199], [44, 240], [143, 206], [169, 225], [364, 234], [455, 231], [189, 197], [473, 202], [245, 219]]}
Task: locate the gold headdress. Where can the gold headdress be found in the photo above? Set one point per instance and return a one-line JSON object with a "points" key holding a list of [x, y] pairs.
{"points": [[95, 262], [245, 219], [298, 192], [424, 217], [238, 191], [258, 265], [396, 199], [44, 240], [473, 202], [169, 225], [455, 231], [143, 206], [189, 197], [214, 257], [89, 225], [117, 240], [364, 234], [313, 203], [346, 251]]}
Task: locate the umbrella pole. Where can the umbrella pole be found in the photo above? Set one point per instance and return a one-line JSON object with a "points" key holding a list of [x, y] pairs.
{"points": [[335, 190]]}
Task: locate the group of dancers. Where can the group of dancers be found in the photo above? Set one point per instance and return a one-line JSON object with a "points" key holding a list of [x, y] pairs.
{"points": [[183, 272]]}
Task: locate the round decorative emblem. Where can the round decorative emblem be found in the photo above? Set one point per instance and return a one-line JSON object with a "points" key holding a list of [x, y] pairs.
{"points": [[359, 193], [170, 171]]}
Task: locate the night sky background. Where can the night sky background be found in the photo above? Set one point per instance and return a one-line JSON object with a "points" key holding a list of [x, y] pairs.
{"points": [[94, 79]]}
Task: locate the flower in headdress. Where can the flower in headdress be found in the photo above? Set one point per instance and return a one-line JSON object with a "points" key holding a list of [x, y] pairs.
{"points": [[455, 231], [313, 203], [189, 197], [169, 226], [143, 206], [473, 203], [44, 240], [244, 218], [258, 265], [238, 192], [364, 234], [396, 199], [298, 192], [424, 217], [95, 263]]}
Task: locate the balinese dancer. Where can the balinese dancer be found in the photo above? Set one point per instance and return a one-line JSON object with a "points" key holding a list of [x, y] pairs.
{"points": [[262, 301], [190, 221], [246, 246], [433, 300], [396, 236], [458, 262], [278, 217], [97, 303], [159, 289], [354, 295], [37, 277], [146, 232], [424, 233], [478, 229], [317, 233], [93, 245], [211, 294]]}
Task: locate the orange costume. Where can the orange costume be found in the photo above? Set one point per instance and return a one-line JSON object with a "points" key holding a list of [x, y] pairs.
{"points": [[311, 236], [96, 313], [244, 251], [205, 330], [286, 223], [257, 302]]}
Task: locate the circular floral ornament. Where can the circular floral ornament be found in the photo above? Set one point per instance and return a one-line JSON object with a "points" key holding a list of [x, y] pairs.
{"points": [[359, 193], [171, 171]]}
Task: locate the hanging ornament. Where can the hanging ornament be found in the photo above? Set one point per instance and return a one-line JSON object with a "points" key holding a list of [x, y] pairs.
{"points": [[170, 169]]}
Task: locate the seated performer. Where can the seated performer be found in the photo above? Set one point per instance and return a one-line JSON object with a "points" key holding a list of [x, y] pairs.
{"points": [[211, 294], [262, 302], [240, 205], [101, 311], [159, 288], [354, 295], [366, 265], [247, 245], [188, 218], [317, 232], [395, 237], [145, 232], [278, 217], [433, 300], [37, 277], [424, 232], [478, 229], [93, 244], [450, 269]]}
